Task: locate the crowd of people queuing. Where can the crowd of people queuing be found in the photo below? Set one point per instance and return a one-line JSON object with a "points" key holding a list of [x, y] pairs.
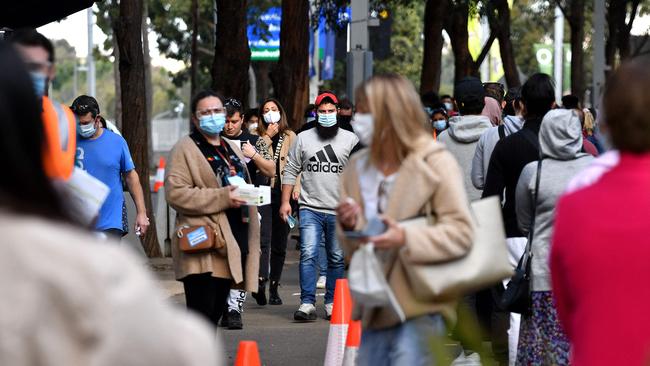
{"points": [[391, 154]]}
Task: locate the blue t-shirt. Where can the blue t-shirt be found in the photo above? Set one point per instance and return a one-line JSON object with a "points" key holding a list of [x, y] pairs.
{"points": [[106, 158]]}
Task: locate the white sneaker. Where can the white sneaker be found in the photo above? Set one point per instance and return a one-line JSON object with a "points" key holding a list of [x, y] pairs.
{"points": [[305, 312], [322, 280], [473, 359], [328, 310]]}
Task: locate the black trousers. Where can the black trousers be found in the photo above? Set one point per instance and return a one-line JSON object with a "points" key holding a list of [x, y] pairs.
{"points": [[206, 295], [265, 239], [279, 237]]}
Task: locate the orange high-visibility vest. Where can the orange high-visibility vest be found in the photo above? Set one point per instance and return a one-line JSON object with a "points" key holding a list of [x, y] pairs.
{"points": [[60, 146]]}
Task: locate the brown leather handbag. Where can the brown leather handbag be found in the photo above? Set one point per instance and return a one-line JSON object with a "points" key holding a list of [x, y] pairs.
{"points": [[199, 239]]}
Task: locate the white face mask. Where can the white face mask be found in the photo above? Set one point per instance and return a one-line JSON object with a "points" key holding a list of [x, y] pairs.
{"points": [[363, 126], [252, 127], [272, 117]]}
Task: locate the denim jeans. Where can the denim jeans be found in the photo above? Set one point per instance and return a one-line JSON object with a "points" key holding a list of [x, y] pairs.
{"points": [[313, 225], [410, 343], [322, 258]]}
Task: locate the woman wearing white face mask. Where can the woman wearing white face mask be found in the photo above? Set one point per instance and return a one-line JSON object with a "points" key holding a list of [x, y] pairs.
{"points": [[401, 170], [199, 185], [274, 129], [439, 120]]}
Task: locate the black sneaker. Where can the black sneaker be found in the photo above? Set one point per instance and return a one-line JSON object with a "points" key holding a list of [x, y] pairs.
{"points": [[260, 295], [234, 320], [306, 312], [274, 297], [224, 319]]}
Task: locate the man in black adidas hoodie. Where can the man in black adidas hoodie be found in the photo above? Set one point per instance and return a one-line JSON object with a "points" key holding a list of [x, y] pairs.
{"points": [[508, 159]]}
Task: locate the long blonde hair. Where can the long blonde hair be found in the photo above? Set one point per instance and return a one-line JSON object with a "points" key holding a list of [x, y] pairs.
{"points": [[397, 113]]}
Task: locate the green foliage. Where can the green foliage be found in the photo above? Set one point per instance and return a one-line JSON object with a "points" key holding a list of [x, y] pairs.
{"points": [[406, 42], [531, 22]]}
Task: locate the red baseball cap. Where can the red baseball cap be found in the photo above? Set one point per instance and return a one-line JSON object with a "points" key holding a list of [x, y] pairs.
{"points": [[320, 97]]}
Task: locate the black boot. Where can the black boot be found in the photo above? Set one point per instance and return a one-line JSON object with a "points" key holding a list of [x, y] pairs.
{"points": [[260, 295], [274, 297], [234, 320]]}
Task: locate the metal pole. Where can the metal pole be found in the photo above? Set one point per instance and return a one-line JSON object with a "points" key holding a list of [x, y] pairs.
{"points": [[557, 55], [91, 61], [598, 73], [359, 63]]}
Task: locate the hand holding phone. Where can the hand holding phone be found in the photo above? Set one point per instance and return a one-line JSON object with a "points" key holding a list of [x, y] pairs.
{"points": [[375, 226]]}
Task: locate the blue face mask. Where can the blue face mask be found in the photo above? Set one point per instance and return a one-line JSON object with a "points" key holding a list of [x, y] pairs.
{"points": [[327, 119], [39, 81], [86, 131], [440, 124], [212, 124]]}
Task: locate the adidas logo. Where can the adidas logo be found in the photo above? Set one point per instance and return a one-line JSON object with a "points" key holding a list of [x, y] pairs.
{"points": [[325, 161]]}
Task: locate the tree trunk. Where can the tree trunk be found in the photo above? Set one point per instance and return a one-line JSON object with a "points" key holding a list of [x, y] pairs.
{"points": [[624, 38], [194, 57], [577, 27], [290, 77], [502, 21], [615, 22], [463, 63], [147, 74], [129, 39], [434, 15], [232, 55]]}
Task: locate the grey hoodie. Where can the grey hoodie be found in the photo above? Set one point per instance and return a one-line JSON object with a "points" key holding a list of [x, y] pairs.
{"points": [[461, 138], [486, 145], [560, 139]]}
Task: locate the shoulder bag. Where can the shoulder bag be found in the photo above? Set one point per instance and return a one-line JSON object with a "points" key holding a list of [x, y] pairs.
{"points": [[486, 262], [516, 297]]}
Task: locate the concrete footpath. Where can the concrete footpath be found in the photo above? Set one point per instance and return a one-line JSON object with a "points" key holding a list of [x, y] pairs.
{"points": [[281, 341]]}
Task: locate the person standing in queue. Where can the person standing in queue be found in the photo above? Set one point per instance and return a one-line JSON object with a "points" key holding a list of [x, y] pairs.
{"points": [[402, 170], [200, 184], [275, 131], [318, 156], [260, 164]]}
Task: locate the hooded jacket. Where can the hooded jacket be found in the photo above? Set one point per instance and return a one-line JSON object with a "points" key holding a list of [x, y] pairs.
{"points": [[485, 146], [560, 139], [461, 139]]}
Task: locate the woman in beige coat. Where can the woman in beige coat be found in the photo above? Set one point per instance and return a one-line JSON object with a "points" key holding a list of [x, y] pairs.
{"points": [[275, 131], [199, 185], [402, 170]]}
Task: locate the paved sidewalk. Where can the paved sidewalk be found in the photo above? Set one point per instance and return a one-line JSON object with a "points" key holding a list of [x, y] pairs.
{"points": [[281, 340]]}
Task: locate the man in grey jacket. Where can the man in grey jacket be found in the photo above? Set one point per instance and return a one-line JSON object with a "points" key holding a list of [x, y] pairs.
{"points": [[513, 122], [319, 156], [464, 131]]}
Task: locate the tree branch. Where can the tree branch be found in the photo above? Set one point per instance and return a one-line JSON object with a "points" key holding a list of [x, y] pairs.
{"points": [[634, 10], [486, 48]]}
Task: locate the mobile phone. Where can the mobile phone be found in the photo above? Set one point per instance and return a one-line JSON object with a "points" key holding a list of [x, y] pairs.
{"points": [[241, 144], [374, 227], [291, 221]]}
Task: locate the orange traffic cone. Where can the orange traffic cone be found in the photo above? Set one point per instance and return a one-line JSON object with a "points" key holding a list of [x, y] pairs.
{"points": [[341, 314], [352, 344], [160, 175], [247, 354]]}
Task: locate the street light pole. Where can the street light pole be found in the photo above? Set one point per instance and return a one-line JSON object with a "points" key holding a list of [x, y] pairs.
{"points": [[359, 60], [557, 59], [91, 61]]}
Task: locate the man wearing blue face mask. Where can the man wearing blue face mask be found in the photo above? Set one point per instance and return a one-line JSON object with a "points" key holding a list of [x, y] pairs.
{"points": [[59, 125], [105, 155], [318, 155]]}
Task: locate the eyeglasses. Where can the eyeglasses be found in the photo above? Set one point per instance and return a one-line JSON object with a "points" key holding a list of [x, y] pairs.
{"points": [[233, 102], [209, 111], [82, 109]]}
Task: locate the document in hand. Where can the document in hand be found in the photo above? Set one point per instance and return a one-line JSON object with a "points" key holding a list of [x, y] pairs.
{"points": [[86, 194], [254, 196]]}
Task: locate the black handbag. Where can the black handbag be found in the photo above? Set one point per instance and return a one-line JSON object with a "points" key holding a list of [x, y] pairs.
{"points": [[516, 297]]}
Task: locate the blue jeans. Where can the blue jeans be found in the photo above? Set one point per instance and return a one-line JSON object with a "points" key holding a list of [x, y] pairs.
{"points": [[410, 343], [313, 226], [322, 258]]}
